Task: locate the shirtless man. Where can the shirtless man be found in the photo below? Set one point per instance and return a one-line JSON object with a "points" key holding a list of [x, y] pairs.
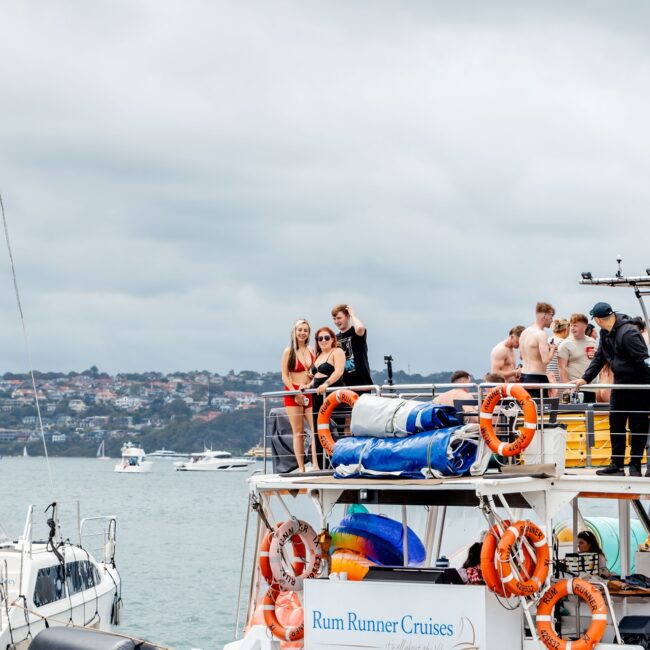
{"points": [[535, 350], [502, 357], [459, 377]]}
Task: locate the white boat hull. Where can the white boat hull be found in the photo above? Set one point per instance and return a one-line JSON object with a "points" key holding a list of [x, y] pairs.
{"points": [[143, 468], [80, 608], [232, 465]]}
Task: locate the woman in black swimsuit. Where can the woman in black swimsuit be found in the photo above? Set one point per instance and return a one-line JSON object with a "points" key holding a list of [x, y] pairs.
{"points": [[327, 370]]}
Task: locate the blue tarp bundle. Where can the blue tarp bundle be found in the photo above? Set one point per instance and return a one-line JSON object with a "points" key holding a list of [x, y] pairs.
{"points": [[445, 452]]}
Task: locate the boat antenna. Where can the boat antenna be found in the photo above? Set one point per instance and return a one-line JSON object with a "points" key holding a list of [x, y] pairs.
{"points": [[26, 338]]}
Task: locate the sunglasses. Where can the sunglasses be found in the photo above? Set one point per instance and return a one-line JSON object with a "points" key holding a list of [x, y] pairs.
{"points": [[326, 337]]}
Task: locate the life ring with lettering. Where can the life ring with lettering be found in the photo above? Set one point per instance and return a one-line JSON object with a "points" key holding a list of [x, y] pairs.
{"points": [[526, 432], [293, 631], [587, 592], [489, 560], [348, 397], [286, 579], [534, 534], [298, 563]]}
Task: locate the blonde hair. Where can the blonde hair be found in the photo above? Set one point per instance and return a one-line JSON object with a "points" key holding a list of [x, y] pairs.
{"points": [[293, 343], [560, 325]]}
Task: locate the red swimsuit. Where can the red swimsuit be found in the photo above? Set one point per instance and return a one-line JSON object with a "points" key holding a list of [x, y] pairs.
{"points": [[290, 400]]}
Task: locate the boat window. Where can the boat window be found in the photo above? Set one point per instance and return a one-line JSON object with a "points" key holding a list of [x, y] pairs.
{"points": [[50, 585], [82, 575]]}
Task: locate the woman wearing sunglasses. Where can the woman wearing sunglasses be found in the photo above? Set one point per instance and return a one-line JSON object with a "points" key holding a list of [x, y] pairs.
{"points": [[296, 360], [327, 369]]}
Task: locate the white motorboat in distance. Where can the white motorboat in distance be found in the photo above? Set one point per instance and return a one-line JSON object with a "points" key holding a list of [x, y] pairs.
{"points": [[133, 460], [209, 461], [168, 454]]}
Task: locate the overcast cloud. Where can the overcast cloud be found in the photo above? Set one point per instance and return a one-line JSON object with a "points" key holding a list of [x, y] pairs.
{"points": [[184, 179]]}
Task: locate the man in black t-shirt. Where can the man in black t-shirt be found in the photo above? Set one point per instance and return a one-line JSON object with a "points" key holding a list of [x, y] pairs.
{"points": [[352, 338]]}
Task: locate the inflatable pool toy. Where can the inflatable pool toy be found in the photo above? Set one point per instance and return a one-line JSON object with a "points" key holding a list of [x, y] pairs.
{"points": [[351, 563], [378, 538]]}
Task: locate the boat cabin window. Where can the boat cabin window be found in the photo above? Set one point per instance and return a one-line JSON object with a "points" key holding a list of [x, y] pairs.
{"points": [[51, 586], [82, 575]]}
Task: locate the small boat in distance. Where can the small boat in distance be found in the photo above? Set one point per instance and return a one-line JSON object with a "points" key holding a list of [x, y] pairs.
{"points": [[100, 452], [167, 453], [133, 460], [209, 461], [25, 454], [258, 452]]}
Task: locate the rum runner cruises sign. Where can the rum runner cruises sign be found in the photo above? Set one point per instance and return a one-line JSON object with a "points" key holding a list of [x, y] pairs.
{"points": [[406, 616]]}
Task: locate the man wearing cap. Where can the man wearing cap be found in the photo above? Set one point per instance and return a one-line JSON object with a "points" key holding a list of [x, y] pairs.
{"points": [[623, 348]]}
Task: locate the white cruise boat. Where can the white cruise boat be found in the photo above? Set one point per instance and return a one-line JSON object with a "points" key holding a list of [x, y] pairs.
{"points": [[133, 460], [210, 461], [383, 552], [57, 582]]}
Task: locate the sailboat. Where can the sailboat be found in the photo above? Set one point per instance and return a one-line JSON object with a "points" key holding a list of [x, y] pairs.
{"points": [[100, 452], [25, 454]]}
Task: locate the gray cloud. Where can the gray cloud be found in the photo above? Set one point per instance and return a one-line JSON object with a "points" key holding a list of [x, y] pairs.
{"points": [[183, 179]]}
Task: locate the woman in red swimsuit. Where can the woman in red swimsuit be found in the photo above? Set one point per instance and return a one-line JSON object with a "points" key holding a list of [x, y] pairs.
{"points": [[296, 360]]}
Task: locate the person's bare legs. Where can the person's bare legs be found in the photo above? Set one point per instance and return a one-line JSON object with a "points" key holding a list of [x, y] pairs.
{"points": [[309, 415], [296, 415]]}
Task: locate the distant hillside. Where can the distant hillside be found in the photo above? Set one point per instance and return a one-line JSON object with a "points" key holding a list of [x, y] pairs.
{"points": [[183, 411]]}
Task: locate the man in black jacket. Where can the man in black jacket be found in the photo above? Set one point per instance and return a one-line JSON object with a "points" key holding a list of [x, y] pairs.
{"points": [[623, 348]]}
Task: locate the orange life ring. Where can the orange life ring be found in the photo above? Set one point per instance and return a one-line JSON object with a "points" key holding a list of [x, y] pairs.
{"points": [[489, 560], [311, 543], [526, 433], [537, 539], [323, 423], [544, 620], [271, 619], [264, 556]]}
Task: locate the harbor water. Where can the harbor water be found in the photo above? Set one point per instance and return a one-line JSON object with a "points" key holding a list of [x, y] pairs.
{"points": [[179, 538]]}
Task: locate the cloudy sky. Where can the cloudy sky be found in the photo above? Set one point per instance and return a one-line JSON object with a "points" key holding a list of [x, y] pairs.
{"points": [[183, 179]]}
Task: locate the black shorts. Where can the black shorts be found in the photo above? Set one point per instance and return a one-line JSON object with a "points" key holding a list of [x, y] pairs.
{"points": [[533, 378]]}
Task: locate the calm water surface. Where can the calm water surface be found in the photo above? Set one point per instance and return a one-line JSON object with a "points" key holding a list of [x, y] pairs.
{"points": [[179, 538]]}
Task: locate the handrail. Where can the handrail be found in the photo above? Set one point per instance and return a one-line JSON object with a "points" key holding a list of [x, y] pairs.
{"points": [[108, 535], [392, 387], [312, 391]]}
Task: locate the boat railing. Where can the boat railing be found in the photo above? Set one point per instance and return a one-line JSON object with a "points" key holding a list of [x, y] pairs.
{"points": [[101, 543], [586, 421]]}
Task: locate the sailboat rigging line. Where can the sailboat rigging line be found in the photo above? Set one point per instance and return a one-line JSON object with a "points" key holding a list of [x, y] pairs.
{"points": [[27, 347]]}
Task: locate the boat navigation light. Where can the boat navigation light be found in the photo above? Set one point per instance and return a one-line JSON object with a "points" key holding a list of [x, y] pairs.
{"points": [[619, 273], [586, 275]]}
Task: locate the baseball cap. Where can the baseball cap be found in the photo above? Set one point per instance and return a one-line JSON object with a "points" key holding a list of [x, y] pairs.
{"points": [[601, 310]]}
